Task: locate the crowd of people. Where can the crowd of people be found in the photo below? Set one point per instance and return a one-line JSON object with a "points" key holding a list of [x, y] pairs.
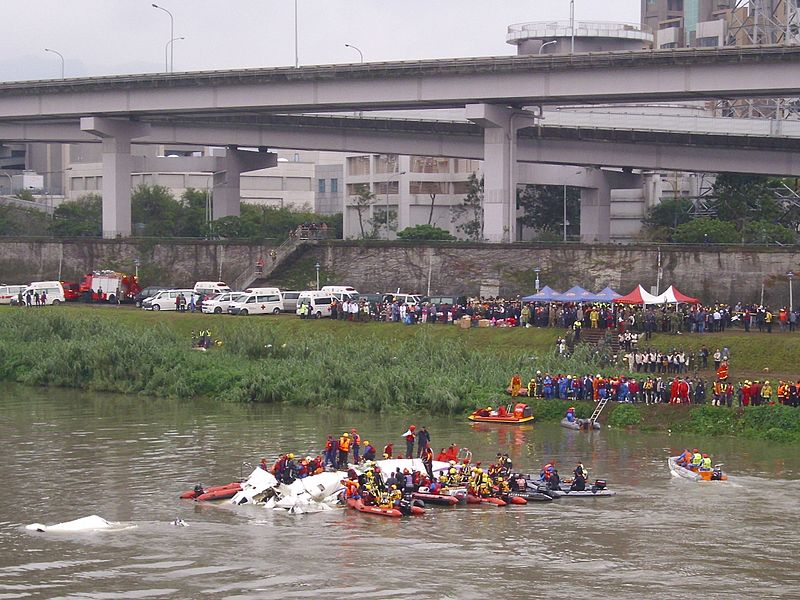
{"points": [[678, 389], [622, 318]]}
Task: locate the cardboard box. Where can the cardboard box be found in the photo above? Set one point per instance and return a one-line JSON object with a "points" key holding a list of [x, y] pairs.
{"points": [[484, 323], [465, 323]]}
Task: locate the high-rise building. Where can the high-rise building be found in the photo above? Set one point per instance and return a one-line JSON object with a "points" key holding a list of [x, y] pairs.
{"points": [[704, 23]]}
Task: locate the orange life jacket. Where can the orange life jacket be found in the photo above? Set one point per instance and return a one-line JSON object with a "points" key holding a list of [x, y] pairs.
{"points": [[344, 444]]}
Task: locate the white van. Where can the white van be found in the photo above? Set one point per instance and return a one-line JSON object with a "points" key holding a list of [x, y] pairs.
{"points": [[269, 290], [319, 306], [340, 289], [54, 291], [10, 292], [210, 288], [402, 298], [290, 299], [165, 299], [257, 303], [219, 304]]}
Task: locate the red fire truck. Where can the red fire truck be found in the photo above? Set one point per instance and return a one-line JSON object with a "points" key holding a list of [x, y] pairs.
{"points": [[104, 286]]}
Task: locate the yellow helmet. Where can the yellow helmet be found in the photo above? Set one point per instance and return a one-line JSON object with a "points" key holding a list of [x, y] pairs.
{"points": [[290, 455], [366, 443], [345, 434]]}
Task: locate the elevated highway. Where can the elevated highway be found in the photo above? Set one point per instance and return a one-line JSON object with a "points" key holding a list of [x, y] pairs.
{"points": [[609, 77]]}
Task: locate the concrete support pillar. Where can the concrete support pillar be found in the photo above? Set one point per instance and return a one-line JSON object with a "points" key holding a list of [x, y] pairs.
{"points": [[227, 183], [596, 202], [499, 152], [117, 166]]}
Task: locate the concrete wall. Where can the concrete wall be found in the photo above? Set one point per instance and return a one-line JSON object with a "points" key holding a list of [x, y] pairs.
{"points": [[713, 274]]}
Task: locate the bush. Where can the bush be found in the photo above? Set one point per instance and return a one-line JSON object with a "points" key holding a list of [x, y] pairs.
{"points": [[718, 232], [425, 232], [625, 415]]}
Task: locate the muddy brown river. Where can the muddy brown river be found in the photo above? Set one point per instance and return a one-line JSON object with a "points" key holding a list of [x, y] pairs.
{"points": [[69, 454]]}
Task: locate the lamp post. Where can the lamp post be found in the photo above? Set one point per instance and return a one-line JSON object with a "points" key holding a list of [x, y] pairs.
{"points": [[360, 53], [537, 270], [61, 56], [296, 50], [572, 26], [316, 266], [388, 180], [546, 44], [167, 47], [171, 35], [790, 275], [565, 212]]}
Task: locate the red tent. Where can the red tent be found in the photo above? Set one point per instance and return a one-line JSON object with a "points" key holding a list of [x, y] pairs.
{"points": [[638, 296], [674, 296]]}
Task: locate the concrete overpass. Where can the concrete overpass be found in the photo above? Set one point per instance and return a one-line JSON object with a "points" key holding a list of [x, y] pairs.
{"points": [[242, 108]]}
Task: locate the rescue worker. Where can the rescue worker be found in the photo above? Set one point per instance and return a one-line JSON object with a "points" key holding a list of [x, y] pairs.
{"points": [[369, 451], [410, 437], [697, 458], [344, 450], [580, 470], [387, 450], [516, 385], [705, 464], [427, 460], [570, 414], [356, 444], [684, 459], [532, 388]]}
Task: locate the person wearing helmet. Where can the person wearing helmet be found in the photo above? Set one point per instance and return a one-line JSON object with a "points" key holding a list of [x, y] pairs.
{"points": [[706, 463], [369, 451], [355, 445], [697, 459], [410, 436], [344, 450]]}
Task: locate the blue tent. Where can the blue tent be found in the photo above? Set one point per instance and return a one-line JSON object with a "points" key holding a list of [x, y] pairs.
{"points": [[546, 294], [574, 294], [606, 295]]}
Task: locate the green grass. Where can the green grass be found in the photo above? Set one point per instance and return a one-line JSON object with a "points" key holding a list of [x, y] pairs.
{"points": [[376, 367]]}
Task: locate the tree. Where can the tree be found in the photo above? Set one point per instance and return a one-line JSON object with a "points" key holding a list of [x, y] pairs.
{"points": [[192, 222], [766, 232], [433, 203], [741, 199], [362, 202], [425, 232], [380, 221], [703, 230], [543, 209], [472, 209], [669, 213], [79, 218], [157, 210]]}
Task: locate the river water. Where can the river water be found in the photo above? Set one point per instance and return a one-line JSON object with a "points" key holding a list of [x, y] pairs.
{"points": [[68, 454]]}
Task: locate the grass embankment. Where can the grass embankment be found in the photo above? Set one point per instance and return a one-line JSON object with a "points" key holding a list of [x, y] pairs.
{"points": [[368, 367]]}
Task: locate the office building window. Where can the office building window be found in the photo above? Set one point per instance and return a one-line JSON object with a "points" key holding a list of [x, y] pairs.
{"points": [[708, 42], [334, 186], [321, 186]]}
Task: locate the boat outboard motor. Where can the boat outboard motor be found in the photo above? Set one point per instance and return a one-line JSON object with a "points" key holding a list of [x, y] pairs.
{"points": [[599, 484], [716, 474]]}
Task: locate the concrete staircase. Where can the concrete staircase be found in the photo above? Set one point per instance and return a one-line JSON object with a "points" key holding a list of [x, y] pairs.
{"points": [[252, 275], [596, 336]]}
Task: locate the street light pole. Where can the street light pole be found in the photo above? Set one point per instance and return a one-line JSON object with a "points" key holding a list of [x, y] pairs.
{"points": [[167, 47], [360, 54], [61, 56], [536, 270], [546, 44], [171, 36], [316, 266], [388, 180], [790, 275], [565, 212], [572, 26], [296, 50]]}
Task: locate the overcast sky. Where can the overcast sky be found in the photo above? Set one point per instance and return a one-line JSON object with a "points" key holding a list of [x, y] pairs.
{"points": [[104, 37]]}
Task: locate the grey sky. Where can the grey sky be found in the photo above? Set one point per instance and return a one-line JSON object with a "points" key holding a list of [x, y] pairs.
{"points": [[103, 37]]}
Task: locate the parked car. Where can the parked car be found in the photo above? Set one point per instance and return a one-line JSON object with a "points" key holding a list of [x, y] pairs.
{"points": [[147, 292], [290, 300], [257, 304], [446, 299], [165, 299], [403, 298], [210, 288], [219, 304]]}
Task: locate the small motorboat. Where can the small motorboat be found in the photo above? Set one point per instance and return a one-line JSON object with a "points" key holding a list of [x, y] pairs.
{"points": [[506, 415], [597, 489], [580, 424], [532, 496], [714, 474]]}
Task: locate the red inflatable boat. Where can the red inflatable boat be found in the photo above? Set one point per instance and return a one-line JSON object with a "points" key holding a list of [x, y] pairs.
{"points": [[435, 498], [357, 504], [218, 492], [490, 500]]}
